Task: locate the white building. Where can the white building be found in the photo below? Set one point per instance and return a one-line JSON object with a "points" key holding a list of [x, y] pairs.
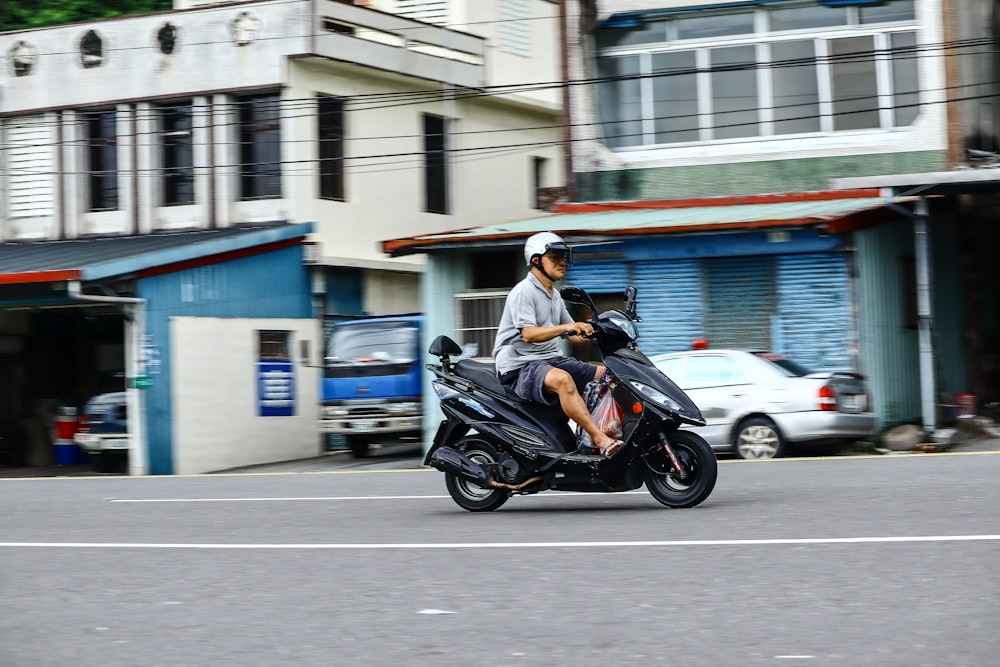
{"points": [[221, 118]]}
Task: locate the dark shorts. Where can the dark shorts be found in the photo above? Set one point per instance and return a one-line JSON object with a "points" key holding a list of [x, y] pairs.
{"points": [[530, 382]]}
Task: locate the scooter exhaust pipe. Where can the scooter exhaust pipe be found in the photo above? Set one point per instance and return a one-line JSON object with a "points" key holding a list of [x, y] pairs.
{"points": [[450, 460]]}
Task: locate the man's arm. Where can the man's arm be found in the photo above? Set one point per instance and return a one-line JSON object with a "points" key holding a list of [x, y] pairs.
{"points": [[543, 334]]}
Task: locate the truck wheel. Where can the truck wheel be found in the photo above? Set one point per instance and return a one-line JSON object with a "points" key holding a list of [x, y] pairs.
{"points": [[359, 446]]}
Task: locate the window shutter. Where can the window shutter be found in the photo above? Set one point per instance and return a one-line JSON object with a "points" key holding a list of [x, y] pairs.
{"points": [[30, 180]]}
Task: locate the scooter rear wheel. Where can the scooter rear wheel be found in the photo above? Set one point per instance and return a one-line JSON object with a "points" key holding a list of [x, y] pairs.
{"points": [[699, 470], [469, 495]]}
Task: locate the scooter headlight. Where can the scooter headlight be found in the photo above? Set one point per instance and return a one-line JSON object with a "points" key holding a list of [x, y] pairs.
{"points": [[656, 396], [626, 325]]}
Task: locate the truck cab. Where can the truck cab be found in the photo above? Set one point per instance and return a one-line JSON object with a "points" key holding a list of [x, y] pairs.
{"points": [[371, 381]]}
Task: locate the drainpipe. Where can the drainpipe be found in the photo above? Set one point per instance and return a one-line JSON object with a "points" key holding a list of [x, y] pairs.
{"points": [[926, 348], [135, 325]]}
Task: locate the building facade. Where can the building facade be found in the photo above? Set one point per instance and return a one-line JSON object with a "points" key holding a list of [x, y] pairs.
{"points": [[690, 119], [307, 130]]}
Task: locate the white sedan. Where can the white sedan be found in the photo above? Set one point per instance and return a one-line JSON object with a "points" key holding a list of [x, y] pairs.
{"points": [[757, 404]]}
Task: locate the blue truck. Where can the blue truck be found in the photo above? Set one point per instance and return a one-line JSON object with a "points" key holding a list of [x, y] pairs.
{"points": [[371, 382]]}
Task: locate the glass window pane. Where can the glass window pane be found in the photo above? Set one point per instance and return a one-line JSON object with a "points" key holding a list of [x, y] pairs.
{"points": [[734, 93], [898, 10], [620, 101], [675, 97], [905, 84], [178, 154], [796, 92], [647, 32], [715, 25], [810, 16], [855, 88]]}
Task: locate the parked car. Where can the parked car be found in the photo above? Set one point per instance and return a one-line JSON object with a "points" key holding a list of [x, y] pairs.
{"points": [[758, 405], [103, 431]]}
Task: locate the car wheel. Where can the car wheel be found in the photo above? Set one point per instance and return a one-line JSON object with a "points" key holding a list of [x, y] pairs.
{"points": [[359, 446], [758, 438]]}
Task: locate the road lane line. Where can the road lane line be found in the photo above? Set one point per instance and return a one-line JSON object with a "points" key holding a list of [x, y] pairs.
{"points": [[512, 545]]}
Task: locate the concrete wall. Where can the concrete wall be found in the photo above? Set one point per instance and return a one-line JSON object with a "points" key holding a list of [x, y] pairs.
{"points": [[216, 424]]}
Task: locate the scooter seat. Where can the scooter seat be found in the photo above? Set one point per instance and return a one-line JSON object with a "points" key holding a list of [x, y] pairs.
{"points": [[485, 375]]}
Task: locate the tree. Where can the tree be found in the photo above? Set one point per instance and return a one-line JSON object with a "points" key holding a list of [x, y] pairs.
{"points": [[41, 13]]}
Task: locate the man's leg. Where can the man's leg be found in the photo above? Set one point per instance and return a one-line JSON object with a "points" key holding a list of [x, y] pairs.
{"points": [[559, 382]]}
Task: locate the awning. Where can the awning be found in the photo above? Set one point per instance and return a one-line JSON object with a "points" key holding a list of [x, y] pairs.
{"points": [[835, 212], [38, 272]]}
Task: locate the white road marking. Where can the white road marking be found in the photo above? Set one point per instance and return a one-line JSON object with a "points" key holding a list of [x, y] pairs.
{"points": [[514, 545]]}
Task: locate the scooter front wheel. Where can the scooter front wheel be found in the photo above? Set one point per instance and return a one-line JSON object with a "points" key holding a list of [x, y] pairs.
{"points": [[694, 482], [469, 495]]}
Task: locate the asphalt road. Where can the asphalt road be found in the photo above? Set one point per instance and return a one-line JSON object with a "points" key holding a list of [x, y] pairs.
{"points": [[886, 561]]}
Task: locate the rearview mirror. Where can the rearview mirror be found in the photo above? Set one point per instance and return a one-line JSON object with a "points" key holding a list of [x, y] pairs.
{"points": [[579, 295], [631, 302]]}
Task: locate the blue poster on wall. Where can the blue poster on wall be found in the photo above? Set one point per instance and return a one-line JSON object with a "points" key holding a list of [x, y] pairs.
{"points": [[276, 388]]}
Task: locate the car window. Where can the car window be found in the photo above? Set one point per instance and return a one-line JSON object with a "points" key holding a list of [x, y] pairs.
{"points": [[711, 370], [784, 365]]}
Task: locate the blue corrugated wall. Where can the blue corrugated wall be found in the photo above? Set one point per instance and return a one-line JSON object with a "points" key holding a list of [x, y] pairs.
{"points": [[272, 284]]}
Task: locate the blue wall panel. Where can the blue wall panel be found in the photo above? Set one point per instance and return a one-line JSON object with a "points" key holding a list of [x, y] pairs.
{"points": [[273, 284], [815, 326], [670, 304]]}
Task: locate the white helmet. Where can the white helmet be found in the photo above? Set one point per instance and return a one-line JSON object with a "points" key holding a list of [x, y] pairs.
{"points": [[543, 242]]}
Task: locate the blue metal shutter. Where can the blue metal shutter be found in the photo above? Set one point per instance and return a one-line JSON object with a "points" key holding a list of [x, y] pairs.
{"points": [[815, 325], [598, 277], [670, 304], [740, 301]]}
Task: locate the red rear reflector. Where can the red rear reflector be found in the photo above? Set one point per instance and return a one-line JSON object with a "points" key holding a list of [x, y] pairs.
{"points": [[827, 399], [637, 408]]}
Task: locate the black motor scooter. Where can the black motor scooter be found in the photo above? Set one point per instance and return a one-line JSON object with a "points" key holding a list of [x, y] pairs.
{"points": [[492, 444]]}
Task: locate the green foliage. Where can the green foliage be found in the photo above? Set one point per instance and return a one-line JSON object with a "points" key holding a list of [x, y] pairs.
{"points": [[15, 15]]}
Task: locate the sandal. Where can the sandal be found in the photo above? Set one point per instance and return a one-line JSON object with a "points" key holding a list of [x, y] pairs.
{"points": [[613, 448]]}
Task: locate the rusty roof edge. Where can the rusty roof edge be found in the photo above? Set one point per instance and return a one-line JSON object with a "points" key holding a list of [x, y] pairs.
{"points": [[468, 238]]}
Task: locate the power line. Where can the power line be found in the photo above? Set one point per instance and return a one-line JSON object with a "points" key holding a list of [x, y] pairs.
{"points": [[437, 95], [483, 151]]}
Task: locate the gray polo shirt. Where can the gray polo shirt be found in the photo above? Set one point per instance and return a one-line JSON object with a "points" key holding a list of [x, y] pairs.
{"points": [[528, 305]]}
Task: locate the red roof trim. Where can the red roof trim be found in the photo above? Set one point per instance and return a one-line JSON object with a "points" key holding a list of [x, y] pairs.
{"points": [[39, 276], [707, 202], [218, 259]]}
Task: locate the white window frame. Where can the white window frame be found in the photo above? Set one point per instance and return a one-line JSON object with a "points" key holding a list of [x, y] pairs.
{"points": [[763, 40]]}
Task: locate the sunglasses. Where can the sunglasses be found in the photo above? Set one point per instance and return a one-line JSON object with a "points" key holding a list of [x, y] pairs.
{"points": [[558, 255]]}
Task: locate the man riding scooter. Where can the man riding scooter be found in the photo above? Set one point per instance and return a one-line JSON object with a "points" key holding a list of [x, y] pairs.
{"points": [[527, 354]]}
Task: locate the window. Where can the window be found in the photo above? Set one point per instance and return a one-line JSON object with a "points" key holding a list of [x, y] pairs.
{"points": [[23, 57], [331, 148], [538, 181], [477, 317], [91, 50], [260, 146], [167, 38], [435, 165], [274, 345], [711, 371], [178, 154], [102, 159], [245, 28], [780, 69]]}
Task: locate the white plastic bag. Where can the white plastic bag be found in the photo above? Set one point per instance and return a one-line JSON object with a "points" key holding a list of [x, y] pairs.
{"points": [[604, 409]]}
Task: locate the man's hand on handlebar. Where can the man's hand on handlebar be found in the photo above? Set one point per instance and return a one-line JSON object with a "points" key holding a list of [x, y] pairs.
{"points": [[582, 330]]}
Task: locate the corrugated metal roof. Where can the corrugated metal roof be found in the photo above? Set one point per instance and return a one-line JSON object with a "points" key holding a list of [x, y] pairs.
{"points": [[97, 258], [636, 218]]}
